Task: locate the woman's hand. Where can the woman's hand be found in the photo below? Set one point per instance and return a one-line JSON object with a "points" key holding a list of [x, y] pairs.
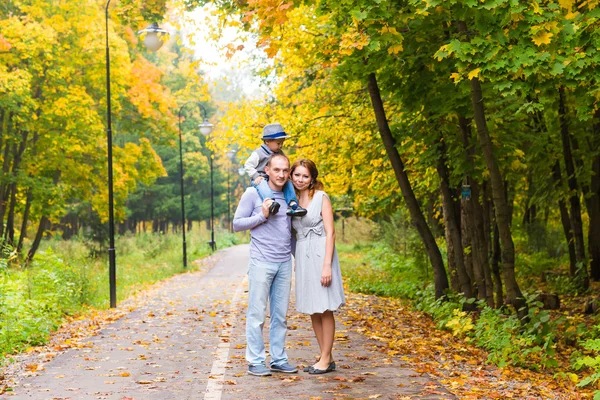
{"points": [[258, 180], [326, 275]]}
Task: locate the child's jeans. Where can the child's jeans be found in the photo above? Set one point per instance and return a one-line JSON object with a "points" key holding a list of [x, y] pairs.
{"points": [[265, 191]]}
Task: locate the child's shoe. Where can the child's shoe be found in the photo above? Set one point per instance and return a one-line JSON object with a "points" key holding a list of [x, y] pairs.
{"points": [[296, 212]]}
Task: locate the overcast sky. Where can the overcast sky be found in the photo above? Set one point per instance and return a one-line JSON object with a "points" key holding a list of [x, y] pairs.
{"points": [[238, 70]]}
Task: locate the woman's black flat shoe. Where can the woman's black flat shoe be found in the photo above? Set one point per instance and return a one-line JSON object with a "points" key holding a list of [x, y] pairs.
{"points": [[316, 371]]}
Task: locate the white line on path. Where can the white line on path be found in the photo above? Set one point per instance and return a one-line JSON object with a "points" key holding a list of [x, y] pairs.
{"points": [[214, 386]]}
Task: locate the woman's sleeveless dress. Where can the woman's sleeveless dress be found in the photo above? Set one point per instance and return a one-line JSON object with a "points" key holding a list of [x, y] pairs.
{"points": [[311, 297]]}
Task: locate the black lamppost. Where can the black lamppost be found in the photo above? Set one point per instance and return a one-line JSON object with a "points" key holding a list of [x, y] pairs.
{"points": [[231, 157], [206, 129], [181, 172], [153, 42]]}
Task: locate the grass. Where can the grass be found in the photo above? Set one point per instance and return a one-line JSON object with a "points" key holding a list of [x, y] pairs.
{"points": [[65, 279]]}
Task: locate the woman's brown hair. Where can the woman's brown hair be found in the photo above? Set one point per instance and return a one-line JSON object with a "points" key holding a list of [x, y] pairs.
{"points": [[315, 184]]}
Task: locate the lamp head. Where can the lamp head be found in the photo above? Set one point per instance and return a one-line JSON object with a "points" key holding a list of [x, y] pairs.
{"points": [[231, 154], [206, 127], [241, 171], [153, 37]]}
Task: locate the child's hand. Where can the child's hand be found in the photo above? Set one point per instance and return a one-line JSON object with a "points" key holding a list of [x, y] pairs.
{"points": [[258, 180]]}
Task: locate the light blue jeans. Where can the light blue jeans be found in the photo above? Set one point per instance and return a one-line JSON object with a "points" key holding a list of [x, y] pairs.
{"points": [[265, 191], [267, 281]]}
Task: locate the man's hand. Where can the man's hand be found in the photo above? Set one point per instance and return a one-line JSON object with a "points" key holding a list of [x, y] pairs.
{"points": [[326, 275], [258, 180], [265, 207]]}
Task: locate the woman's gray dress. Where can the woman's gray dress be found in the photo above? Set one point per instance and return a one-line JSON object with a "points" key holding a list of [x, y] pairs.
{"points": [[311, 297]]}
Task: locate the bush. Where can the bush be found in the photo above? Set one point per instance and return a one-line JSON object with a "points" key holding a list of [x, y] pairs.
{"points": [[590, 361], [380, 271], [33, 301]]}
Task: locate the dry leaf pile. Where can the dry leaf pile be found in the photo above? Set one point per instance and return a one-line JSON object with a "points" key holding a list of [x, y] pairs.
{"points": [[413, 337]]}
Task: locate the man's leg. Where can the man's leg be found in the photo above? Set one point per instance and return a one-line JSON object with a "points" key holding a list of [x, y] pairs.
{"points": [[280, 299], [260, 277]]}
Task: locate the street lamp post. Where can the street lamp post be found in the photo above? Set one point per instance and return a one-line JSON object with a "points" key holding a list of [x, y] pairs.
{"points": [[153, 41], [181, 176], [206, 129]]}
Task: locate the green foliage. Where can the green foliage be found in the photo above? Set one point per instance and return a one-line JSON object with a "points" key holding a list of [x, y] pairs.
{"points": [[376, 269], [65, 280], [509, 342], [379, 271], [590, 360], [33, 301]]}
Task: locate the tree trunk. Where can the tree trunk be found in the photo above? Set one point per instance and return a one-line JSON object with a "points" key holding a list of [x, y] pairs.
{"points": [[44, 223], [558, 185], [17, 155], [452, 226], [580, 277], [529, 216], [495, 264], [439, 272], [5, 168], [452, 272], [565, 219], [594, 205], [25, 221], [594, 215], [4, 187], [501, 207], [491, 239], [474, 218], [38, 238]]}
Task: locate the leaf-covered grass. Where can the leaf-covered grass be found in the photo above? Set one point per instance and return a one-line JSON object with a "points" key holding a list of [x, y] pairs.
{"points": [[556, 342], [65, 279]]}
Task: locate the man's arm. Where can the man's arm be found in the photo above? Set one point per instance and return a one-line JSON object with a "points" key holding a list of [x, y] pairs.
{"points": [[243, 218], [251, 164]]}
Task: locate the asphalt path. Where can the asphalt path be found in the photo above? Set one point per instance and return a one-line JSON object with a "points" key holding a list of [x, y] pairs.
{"points": [[186, 341]]}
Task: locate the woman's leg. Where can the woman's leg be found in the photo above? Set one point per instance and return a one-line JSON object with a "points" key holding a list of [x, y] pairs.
{"points": [[326, 341], [317, 326]]}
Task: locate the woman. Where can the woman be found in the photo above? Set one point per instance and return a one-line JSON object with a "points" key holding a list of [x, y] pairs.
{"points": [[319, 289]]}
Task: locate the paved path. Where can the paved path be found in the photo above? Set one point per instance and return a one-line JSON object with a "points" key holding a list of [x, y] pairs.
{"points": [[187, 342]]}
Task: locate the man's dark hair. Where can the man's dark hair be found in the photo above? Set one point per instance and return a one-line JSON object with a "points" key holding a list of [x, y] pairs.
{"points": [[273, 156]]}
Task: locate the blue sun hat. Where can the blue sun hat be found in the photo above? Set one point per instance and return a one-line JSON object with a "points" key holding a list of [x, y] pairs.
{"points": [[274, 131]]}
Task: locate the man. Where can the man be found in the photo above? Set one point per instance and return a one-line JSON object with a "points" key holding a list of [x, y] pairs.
{"points": [[269, 271]]}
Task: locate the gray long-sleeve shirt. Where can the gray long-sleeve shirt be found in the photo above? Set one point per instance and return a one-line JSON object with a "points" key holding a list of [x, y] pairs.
{"points": [[270, 237]]}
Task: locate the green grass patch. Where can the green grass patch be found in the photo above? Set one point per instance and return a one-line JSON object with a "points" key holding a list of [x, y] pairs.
{"points": [[65, 279], [374, 269]]}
